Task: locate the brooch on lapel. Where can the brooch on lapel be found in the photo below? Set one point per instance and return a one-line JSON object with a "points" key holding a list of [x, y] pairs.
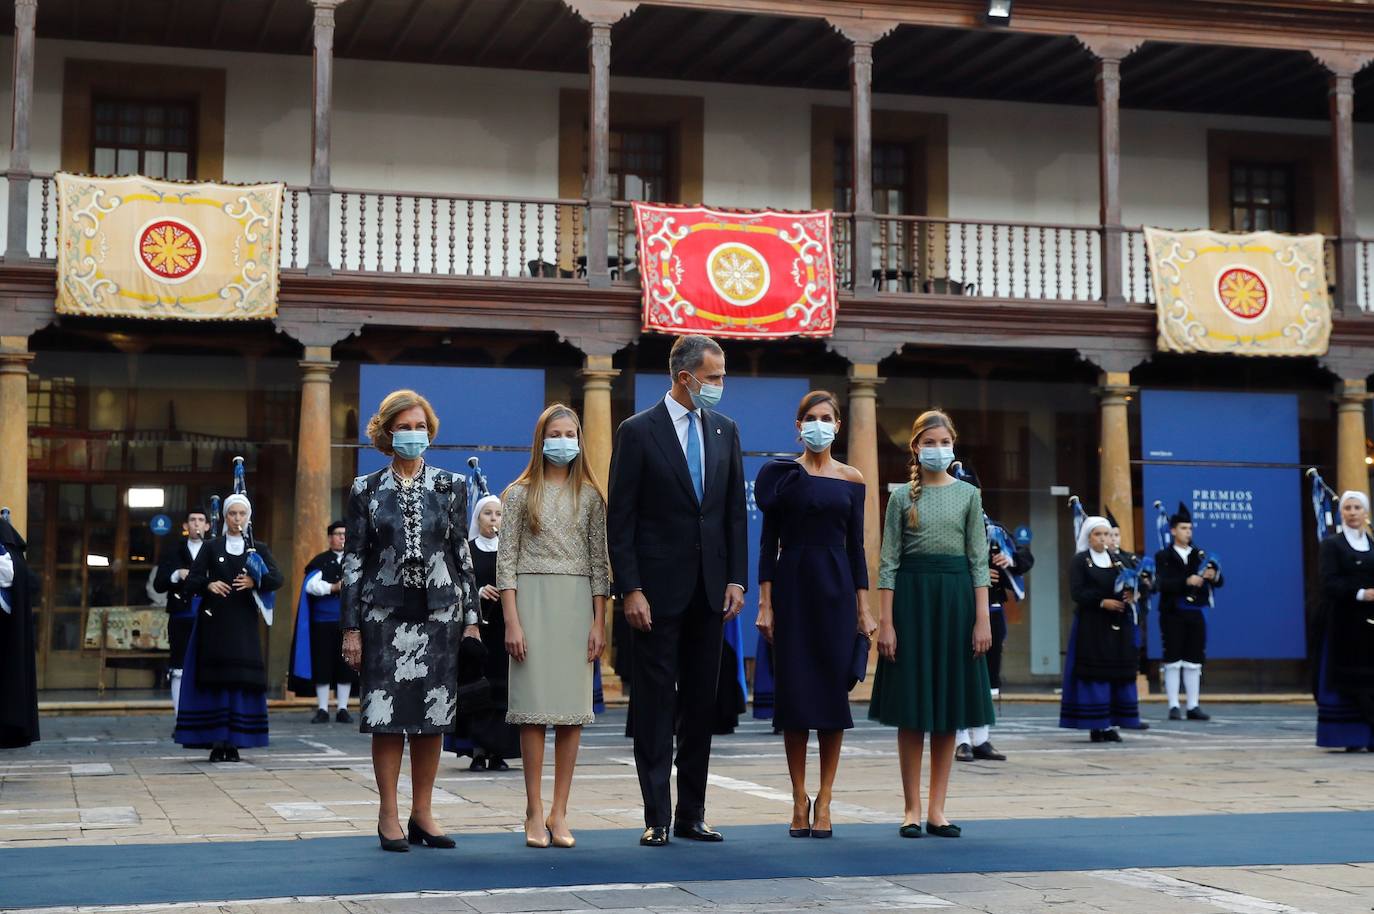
{"points": [[717, 431], [443, 485]]}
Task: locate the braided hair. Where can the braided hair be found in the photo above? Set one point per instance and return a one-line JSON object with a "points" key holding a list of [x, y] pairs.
{"points": [[931, 418]]}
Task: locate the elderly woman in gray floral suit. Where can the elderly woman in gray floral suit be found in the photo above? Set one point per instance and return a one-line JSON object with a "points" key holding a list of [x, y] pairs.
{"points": [[408, 597]]}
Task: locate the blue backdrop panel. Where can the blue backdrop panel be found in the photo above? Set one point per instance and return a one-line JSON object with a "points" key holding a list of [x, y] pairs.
{"points": [[477, 408], [763, 408], [1248, 516]]}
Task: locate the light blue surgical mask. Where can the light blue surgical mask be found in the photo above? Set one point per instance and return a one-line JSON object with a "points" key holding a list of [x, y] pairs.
{"points": [[936, 459], [707, 396], [410, 443], [561, 451], [817, 435]]}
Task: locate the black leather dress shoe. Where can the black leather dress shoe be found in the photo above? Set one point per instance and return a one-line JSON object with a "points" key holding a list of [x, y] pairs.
{"points": [[1198, 714], [343, 716], [1175, 714], [988, 753], [963, 753], [321, 716], [696, 831], [654, 836]]}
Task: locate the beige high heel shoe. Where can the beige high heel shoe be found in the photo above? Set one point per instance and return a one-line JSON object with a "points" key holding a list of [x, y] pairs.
{"points": [[559, 840], [540, 841]]}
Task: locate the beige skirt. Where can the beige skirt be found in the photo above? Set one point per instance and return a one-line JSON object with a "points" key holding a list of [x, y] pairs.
{"points": [[553, 686]]}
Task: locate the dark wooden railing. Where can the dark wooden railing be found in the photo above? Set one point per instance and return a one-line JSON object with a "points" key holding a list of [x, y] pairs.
{"points": [[1364, 263], [42, 229]]}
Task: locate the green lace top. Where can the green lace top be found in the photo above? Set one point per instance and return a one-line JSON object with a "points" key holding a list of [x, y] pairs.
{"points": [[951, 524]]}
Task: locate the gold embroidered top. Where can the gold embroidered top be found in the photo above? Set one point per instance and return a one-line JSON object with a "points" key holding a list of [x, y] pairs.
{"points": [[571, 539]]}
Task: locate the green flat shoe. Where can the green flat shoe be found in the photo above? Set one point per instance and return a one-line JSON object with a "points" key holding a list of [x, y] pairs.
{"points": [[911, 830]]}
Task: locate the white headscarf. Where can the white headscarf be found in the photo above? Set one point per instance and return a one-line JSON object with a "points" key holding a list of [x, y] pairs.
{"points": [[1085, 532], [485, 543], [1357, 538], [237, 499], [233, 544]]}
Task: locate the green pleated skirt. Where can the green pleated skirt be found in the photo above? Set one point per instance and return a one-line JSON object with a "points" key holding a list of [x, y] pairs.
{"points": [[936, 684]]}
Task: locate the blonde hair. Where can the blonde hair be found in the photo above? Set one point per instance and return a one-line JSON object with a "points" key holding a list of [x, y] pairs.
{"points": [[931, 418], [579, 471], [393, 404]]}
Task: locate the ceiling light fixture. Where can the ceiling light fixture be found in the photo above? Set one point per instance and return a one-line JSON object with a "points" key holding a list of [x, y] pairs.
{"points": [[999, 12]]}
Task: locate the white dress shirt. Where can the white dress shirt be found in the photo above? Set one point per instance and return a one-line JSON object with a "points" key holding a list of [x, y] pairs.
{"points": [[1184, 552], [194, 546], [316, 585], [680, 416], [6, 570]]}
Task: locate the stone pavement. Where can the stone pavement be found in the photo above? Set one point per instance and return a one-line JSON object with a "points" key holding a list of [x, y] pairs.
{"points": [[102, 781]]}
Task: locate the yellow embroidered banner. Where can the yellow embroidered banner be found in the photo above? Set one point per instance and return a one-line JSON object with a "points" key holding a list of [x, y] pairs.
{"points": [[140, 247], [1258, 294]]}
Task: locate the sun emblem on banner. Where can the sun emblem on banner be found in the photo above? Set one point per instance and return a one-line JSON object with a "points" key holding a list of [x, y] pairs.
{"points": [[1243, 293], [170, 250], [738, 273]]}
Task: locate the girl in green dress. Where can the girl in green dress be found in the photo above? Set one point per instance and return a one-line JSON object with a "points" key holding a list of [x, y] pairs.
{"points": [[933, 579]]}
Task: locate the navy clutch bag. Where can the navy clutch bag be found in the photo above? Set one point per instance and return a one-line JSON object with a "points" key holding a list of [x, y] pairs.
{"points": [[858, 661]]}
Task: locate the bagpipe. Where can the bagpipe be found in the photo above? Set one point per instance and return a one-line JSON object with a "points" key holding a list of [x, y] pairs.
{"points": [[477, 481], [1128, 577], [252, 562], [1323, 504], [999, 540], [1166, 539], [214, 517]]}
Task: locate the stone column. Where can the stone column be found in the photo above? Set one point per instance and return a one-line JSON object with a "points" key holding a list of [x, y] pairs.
{"points": [[862, 422], [1115, 453], [599, 154], [1351, 470], [321, 188], [14, 419], [597, 375], [19, 174], [1110, 51]]}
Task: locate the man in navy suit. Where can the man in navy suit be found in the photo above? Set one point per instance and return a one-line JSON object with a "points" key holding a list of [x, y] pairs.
{"points": [[677, 535]]}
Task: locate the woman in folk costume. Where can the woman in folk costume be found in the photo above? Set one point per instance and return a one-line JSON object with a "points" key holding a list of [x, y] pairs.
{"points": [[933, 580], [1099, 691], [485, 735], [554, 576], [1345, 671], [224, 682], [18, 668]]}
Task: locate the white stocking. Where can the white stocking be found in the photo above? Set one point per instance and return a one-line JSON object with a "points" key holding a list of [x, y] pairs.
{"points": [[1192, 683], [961, 738], [1171, 678], [322, 697], [176, 692], [343, 689], [979, 735]]}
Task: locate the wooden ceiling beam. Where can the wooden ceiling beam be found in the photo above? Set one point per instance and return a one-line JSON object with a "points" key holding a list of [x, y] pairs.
{"points": [[996, 49], [266, 21], [513, 8], [1013, 73], [794, 36], [403, 32], [637, 39], [124, 21], [359, 27], [1223, 80], [559, 14], [220, 10], [933, 63], [747, 33], [1157, 70], [684, 62], [450, 31]]}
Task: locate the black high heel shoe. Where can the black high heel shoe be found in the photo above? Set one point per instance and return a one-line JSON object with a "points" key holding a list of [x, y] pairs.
{"points": [[802, 832], [395, 845], [417, 835], [820, 832]]}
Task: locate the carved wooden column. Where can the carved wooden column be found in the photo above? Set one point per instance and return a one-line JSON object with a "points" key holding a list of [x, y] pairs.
{"points": [[14, 419], [863, 34], [597, 432], [321, 188], [1343, 66], [19, 174], [1110, 52], [863, 455], [1352, 395]]}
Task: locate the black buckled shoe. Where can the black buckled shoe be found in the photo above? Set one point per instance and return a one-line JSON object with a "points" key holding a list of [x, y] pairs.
{"points": [[321, 716], [654, 836], [988, 753], [1175, 713], [963, 753], [696, 831], [343, 716], [1198, 714]]}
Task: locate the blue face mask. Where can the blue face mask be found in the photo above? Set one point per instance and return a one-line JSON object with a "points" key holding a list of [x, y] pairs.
{"points": [[708, 396], [817, 435], [561, 451], [936, 459], [410, 443]]}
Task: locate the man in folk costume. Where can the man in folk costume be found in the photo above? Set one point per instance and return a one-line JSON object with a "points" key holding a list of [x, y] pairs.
{"points": [[1185, 579], [317, 643], [170, 578], [18, 656]]}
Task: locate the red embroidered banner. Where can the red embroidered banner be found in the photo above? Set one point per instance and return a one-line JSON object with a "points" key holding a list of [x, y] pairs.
{"points": [[742, 274]]}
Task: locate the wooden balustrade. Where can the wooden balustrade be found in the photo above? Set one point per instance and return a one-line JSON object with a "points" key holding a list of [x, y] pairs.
{"points": [[1364, 263]]}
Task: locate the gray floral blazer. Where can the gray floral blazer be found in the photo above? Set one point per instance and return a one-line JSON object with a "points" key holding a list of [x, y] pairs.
{"points": [[376, 545]]}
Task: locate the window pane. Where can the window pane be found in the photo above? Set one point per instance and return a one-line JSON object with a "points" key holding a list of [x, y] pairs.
{"points": [[131, 136], [104, 161], [179, 115], [104, 133], [1240, 219], [155, 163], [153, 136], [155, 114], [1282, 221], [105, 111], [128, 162], [178, 136], [131, 113], [1261, 220], [178, 166], [1261, 194]]}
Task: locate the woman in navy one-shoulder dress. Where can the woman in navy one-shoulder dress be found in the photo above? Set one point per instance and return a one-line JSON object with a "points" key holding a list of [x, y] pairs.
{"points": [[813, 599]]}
